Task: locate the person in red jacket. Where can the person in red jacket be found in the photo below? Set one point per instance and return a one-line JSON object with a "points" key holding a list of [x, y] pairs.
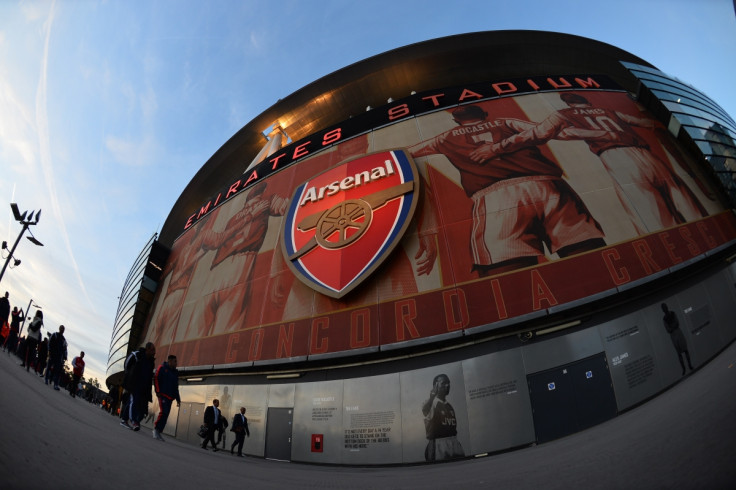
{"points": [[77, 373], [166, 383]]}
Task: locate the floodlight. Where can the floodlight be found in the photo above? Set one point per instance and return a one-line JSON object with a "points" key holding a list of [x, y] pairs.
{"points": [[16, 211]]}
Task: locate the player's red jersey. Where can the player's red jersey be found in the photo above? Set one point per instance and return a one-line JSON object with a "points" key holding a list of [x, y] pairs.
{"points": [[603, 129], [457, 143], [602, 119]]}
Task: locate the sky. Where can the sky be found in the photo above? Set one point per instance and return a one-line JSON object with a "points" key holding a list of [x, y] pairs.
{"points": [[108, 108]]}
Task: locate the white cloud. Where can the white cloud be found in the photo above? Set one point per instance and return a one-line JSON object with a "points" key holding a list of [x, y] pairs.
{"points": [[131, 153]]}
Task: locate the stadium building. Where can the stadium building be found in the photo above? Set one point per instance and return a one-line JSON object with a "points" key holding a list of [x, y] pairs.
{"points": [[459, 247]]}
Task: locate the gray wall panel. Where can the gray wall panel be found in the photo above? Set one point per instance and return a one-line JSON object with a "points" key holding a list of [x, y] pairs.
{"points": [[722, 292], [664, 351], [192, 392], [415, 390], [546, 354], [281, 396], [318, 409], [499, 410], [372, 420], [631, 359], [699, 324], [253, 398]]}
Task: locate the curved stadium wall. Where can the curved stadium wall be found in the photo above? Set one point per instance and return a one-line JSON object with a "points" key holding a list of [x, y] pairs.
{"points": [[521, 247]]}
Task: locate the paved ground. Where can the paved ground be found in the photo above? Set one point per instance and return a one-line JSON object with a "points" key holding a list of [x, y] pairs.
{"points": [[685, 438]]}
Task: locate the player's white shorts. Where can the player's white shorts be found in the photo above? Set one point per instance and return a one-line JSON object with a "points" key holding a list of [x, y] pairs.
{"points": [[517, 217], [648, 189], [443, 448]]}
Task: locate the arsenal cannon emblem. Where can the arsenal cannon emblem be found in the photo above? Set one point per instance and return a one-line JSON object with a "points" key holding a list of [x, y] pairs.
{"points": [[342, 223]]}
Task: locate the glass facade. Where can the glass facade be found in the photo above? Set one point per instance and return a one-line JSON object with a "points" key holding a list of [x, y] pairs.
{"points": [[135, 300], [707, 125]]}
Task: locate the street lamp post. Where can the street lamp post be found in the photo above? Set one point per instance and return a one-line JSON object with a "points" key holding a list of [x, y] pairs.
{"points": [[26, 222], [25, 315]]}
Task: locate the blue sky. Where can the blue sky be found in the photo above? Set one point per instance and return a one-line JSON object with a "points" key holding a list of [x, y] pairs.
{"points": [[108, 108]]}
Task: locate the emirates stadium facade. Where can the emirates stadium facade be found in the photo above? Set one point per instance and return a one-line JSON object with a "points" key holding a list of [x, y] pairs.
{"points": [[458, 247]]}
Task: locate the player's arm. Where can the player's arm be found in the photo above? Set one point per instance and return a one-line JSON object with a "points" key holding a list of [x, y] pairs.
{"points": [[637, 121], [428, 147], [279, 205], [572, 134], [537, 134]]}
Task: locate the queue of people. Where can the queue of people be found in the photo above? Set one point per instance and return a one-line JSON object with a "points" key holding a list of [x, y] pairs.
{"points": [[139, 374], [44, 355]]}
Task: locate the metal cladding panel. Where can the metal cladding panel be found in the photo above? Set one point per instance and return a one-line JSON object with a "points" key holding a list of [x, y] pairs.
{"points": [[416, 389], [318, 409], [371, 420], [546, 354], [281, 396], [700, 323], [667, 358], [254, 399], [192, 392], [722, 293], [631, 359], [499, 410]]}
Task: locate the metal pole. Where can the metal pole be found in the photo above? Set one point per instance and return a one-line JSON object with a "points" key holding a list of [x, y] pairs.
{"points": [[7, 261], [25, 315]]}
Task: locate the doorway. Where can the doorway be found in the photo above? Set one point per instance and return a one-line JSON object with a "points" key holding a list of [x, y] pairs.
{"points": [[571, 398], [278, 433]]}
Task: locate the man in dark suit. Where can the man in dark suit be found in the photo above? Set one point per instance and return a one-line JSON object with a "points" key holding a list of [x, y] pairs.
{"points": [[212, 419], [240, 427]]}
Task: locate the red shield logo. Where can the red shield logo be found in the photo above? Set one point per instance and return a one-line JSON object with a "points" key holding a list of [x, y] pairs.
{"points": [[342, 223]]}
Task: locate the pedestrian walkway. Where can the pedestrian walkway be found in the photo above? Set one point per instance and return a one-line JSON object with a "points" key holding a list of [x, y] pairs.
{"points": [[684, 438]]}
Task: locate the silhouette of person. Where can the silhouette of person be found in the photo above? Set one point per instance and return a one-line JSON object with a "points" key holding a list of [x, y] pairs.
{"points": [[12, 341], [240, 427], [32, 340], [4, 308]]}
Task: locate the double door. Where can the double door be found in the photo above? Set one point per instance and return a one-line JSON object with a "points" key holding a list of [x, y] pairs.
{"points": [[571, 398]]}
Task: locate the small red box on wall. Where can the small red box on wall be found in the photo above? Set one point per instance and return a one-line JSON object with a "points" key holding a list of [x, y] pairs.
{"points": [[317, 443]]}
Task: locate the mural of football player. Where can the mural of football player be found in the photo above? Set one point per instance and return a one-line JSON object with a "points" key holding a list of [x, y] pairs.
{"points": [[672, 325], [521, 202], [227, 287], [646, 186], [186, 257], [440, 423]]}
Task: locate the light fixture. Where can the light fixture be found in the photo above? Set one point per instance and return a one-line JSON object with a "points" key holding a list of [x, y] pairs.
{"points": [[284, 376], [20, 218], [557, 328]]}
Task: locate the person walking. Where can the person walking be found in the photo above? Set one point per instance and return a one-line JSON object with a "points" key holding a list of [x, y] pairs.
{"points": [[12, 341], [32, 339], [4, 308], [137, 382], [166, 384], [212, 417], [77, 373], [57, 356], [240, 427], [43, 352]]}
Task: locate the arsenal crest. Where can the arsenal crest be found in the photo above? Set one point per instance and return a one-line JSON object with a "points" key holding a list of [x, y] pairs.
{"points": [[342, 223]]}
